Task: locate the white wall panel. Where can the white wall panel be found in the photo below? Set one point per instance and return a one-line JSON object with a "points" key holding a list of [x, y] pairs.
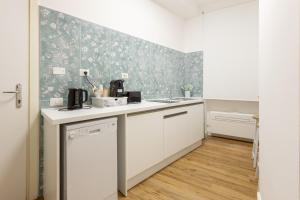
{"points": [[279, 91], [231, 53]]}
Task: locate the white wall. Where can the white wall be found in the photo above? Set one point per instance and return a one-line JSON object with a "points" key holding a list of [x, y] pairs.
{"points": [[231, 53], [193, 34], [279, 99], [232, 18], [229, 39], [140, 18], [249, 107]]}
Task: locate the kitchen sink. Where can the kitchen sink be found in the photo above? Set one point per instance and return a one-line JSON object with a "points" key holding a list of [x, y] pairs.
{"points": [[173, 100], [164, 100], [183, 99]]}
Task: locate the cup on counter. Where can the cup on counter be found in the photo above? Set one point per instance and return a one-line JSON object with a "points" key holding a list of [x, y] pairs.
{"points": [[97, 93]]}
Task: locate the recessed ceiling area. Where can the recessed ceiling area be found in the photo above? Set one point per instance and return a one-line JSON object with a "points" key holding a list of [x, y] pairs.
{"points": [[191, 8]]}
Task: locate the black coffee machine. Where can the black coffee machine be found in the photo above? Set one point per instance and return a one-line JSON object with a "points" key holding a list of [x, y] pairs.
{"points": [[76, 98], [117, 88]]}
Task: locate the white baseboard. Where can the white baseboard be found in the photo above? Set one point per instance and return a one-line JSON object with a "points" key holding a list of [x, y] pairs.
{"points": [[258, 196]]}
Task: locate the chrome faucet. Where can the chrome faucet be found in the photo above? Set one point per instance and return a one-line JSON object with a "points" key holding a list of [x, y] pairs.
{"points": [[170, 94]]}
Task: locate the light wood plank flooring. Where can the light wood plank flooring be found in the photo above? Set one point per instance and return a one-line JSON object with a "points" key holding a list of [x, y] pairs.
{"points": [[220, 169]]}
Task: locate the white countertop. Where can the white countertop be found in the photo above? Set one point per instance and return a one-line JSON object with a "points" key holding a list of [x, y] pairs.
{"points": [[56, 117]]}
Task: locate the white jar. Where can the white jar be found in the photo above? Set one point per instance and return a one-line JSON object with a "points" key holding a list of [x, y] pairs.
{"points": [[187, 94]]}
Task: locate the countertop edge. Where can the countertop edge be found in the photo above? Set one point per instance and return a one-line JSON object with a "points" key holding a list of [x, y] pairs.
{"points": [[47, 112]]}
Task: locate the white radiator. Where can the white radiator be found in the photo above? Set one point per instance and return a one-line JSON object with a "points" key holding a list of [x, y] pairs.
{"points": [[231, 124]]}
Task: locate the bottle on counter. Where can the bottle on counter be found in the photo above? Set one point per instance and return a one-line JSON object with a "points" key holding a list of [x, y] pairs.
{"points": [[106, 92], [98, 92]]}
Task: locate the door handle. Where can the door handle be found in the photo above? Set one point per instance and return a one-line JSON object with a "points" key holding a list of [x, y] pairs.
{"points": [[18, 93], [10, 92]]}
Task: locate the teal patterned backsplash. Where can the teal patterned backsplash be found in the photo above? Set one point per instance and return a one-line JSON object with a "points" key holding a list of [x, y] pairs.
{"points": [[74, 44]]}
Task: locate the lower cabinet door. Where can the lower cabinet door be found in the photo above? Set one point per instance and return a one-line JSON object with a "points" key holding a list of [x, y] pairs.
{"points": [[154, 136], [144, 142], [175, 127], [195, 123]]}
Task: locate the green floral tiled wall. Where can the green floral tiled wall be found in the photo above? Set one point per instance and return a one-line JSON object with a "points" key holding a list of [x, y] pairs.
{"points": [[72, 43]]}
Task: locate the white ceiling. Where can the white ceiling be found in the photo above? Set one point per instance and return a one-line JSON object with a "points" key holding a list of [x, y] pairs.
{"points": [[191, 8]]}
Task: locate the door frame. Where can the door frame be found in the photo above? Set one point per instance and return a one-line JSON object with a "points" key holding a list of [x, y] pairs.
{"points": [[34, 105]]}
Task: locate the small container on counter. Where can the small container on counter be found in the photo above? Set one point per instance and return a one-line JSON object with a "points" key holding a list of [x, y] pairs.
{"points": [[105, 92], [98, 92], [101, 102]]}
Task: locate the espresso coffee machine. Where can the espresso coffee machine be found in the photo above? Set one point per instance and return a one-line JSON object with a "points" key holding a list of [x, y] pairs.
{"points": [[76, 98], [117, 88]]}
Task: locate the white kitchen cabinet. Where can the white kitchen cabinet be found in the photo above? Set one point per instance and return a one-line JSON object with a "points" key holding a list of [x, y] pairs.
{"points": [[144, 142], [140, 139], [183, 127], [155, 139], [175, 130], [195, 123], [154, 136], [152, 140]]}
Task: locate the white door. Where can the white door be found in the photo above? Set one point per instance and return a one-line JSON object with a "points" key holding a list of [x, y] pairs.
{"points": [[14, 53]]}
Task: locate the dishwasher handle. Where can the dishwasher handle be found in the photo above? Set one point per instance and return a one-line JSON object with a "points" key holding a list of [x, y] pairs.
{"points": [[91, 132], [94, 132]]}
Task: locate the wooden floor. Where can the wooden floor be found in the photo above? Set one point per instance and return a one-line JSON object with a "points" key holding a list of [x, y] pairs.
{"points": [[218, 170]]}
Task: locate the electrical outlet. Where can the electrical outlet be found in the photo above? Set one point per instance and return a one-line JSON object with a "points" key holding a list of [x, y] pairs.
{"points": [[58, 71], [124, 75], [56, 102], [81, 72]]}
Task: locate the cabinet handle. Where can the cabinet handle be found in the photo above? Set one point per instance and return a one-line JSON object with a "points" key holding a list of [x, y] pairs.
{"points": [[175, 114]]}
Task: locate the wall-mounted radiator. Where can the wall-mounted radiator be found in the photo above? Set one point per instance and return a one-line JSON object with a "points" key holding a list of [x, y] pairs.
{"points": [[231, 124]]}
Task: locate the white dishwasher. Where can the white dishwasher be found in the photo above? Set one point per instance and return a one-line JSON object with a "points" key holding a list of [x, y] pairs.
{"points": [[89, 160]]}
